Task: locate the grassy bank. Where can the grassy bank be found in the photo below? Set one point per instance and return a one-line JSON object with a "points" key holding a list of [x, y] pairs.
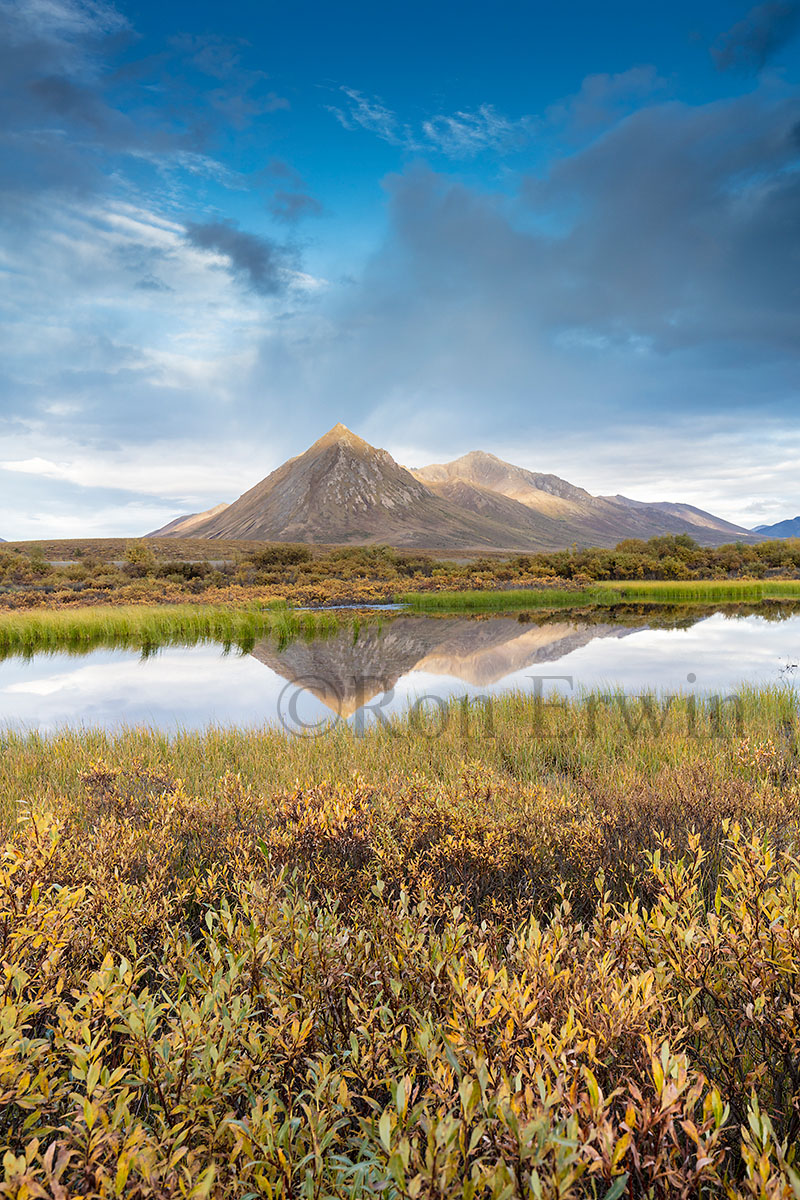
{"points": [[612, 592], [543, 950], [146, 626], [709, 591], [503, 600]]}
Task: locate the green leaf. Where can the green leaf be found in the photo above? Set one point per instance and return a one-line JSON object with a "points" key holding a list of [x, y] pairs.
{"points": [[385, 1130], [617, 1187]]}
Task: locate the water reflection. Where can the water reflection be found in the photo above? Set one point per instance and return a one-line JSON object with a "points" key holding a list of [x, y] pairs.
{"points": [[386, 668]]}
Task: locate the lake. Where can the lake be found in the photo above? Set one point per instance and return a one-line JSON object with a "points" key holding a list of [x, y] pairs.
{"points": [[386, 667]]}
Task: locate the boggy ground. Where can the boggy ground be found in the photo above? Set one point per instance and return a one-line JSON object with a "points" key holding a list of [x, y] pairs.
{"points": [[541, 950]]}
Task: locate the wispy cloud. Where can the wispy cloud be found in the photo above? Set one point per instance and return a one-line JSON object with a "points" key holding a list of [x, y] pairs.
{"points": [[370, 114], [465, 134], [462, 134]]}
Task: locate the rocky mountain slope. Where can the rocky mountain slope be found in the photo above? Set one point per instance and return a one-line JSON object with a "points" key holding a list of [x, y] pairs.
{"points": [[342, 490]]}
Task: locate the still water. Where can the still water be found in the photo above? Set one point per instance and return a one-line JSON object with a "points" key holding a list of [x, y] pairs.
{"points": [[388, 668]]}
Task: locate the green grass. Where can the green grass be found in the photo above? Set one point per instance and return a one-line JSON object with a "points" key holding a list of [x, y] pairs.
{"points": [[708, 591], [502, 600], [145, 627]]}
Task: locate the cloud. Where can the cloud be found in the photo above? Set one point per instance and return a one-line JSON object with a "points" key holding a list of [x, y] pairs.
{"points": [[261, 262], [462, 134], [80, 115], [291, 206], [637, 278], [163, 469], [648, 275], [753, 42], [290, 200], [242, 94], [604, 99], [370, 114], [466, 134]]}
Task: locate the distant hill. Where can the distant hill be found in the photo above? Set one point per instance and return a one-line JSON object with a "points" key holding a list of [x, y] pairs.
{"points": [[789, 528], [343, 490], [183, 526], [687, 513]]}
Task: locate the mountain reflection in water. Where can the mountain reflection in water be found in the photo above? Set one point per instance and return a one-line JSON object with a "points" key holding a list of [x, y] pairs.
{"points": [[346, 672], [384, 665]]}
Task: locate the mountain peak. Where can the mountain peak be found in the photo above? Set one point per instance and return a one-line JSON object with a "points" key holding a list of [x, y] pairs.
{"points": [[340, 435]]}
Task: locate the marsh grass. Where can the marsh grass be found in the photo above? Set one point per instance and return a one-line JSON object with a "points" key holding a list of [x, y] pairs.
{"points": [[606, 736], [512, 599], [709, 591], [145, 627], [604, 595]]}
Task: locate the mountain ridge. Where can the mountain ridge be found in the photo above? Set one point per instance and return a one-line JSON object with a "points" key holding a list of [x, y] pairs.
{"points": [[342, 490]]}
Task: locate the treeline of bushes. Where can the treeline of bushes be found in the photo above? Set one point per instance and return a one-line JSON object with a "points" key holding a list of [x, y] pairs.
{"points": [[671, 557], [306, 575]]}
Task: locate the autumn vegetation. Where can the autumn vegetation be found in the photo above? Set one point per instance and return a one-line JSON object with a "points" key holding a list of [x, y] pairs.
{"points": [[507, 949], [61, 574], [531, 950]]}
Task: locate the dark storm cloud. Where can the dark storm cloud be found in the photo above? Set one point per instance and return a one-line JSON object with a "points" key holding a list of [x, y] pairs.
{"points": [[685, 227], [751, 43], [44, 89], [262, 263]]}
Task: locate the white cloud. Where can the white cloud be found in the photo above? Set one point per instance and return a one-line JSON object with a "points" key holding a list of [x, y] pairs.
{"points": [[187, 472], [370, 114], [465, 134], [462, 134]]}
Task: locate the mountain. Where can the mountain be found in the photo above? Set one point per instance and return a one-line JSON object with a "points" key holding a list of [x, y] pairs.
{"points": [[781, 529], [342, 490], [567, 513], [184, 526], [686, 513]]}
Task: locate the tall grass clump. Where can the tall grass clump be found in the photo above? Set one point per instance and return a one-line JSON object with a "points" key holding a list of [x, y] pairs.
{"points": [[606, 594], [710, 591], [513, 599], [145, 626]]}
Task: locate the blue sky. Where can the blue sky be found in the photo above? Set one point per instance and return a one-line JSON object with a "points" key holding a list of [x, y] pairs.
{"points": [[568, 234]]}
